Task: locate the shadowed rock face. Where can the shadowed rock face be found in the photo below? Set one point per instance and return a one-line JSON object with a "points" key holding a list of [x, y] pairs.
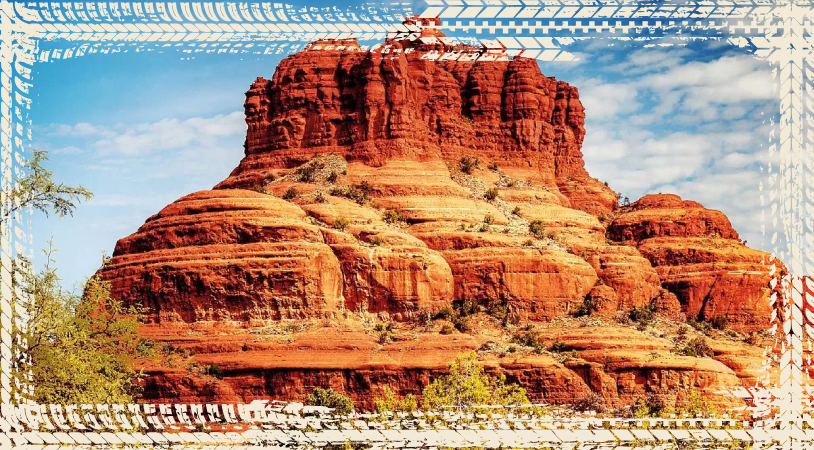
{"points": [[351, 198]]}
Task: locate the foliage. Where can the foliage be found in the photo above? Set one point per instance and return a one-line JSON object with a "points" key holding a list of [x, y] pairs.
{"points": [[537, 228], [332, 177], [79, 347], [559, 347], [696, 404], [36, 190], [719, 322], [319, 197], [341, 223], [588, 306], [82, 348], [590, 402], [650, 406], [291, 193], [488, 219], [329, 398], [359, 193], [390, 402], [467, 164], [643, 315], [696, 347], [468, 385], [491, 194], [393, 217], [384, 332], [493, 166], [530, 338], [516, 211], [306, 172], [447, 329]]}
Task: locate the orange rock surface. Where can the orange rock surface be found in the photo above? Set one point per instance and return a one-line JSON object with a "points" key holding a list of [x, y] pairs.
{"points": [[378, 187]]}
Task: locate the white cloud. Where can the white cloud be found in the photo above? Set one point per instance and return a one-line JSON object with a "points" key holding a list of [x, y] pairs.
{"points": [[170, 134], [690, 128]]}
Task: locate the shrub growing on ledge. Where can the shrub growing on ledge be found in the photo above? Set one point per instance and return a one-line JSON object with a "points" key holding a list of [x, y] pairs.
{"points": [[491, 194], [467, 164], [329, 398], [696, 347], [291, 193], [390, 402], [468, 385], [340, 224], [393, 217]]}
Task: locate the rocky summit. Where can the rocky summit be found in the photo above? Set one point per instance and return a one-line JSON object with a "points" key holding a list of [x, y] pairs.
{"points": [[394, 210]]}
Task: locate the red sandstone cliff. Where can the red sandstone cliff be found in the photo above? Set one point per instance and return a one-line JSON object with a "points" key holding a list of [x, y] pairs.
{"points": [[368, 187]]}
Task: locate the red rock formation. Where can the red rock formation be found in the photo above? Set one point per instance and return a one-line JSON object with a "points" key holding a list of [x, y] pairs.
{"points": [[352, 200], [699, 258]]}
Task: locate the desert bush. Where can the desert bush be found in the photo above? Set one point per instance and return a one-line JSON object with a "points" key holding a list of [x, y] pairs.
{"points": [[696, 347], [329, 398], [340, 224], [447, 329], [643, 315], [393, 217], [590, 402], [468, 385], [332, 177], [588, 307], [291, 193], [389, 402], [467, 164], [491, 194]]}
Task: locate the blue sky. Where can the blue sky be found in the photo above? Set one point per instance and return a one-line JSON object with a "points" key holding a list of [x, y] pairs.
{"points": [[141, 130]]}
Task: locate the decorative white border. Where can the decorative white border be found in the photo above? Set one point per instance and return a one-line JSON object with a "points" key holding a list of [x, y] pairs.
{"points": [[34, 32]]}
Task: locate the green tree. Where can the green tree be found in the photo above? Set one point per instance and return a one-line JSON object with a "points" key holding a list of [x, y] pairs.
{"points": [[77, 348], [390, 402], [341, 404], [36, 190], [469, 385], [81, 348]]}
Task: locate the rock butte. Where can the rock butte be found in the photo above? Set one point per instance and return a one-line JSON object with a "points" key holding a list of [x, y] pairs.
{"points": [[335, 124]]}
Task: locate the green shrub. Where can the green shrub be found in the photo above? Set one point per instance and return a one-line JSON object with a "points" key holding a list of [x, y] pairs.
{"points": [[447, 329], [358, 193], [491, 194], [530, 338], [537, 228], [390, 402], [588, 307], [697, 405], [392, 216], [719, 322], [319, 197], [696, 347], [307, 172], [340, 224], [516, 211], [467, 164], [590, 402], [468, 385], [488, 219], [291, 193], [384, 332], [332, 177], [643, 315], [559, 347], [329, 398], [493, 166]]}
